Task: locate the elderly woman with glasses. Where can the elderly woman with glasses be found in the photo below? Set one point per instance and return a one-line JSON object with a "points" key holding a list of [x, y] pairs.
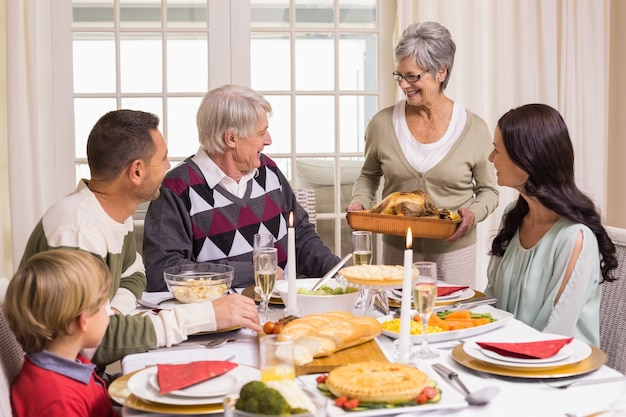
{"points": [[428, 142]]}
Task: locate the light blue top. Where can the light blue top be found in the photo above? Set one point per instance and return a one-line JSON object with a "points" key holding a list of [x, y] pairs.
{"points": [[526, 282]]}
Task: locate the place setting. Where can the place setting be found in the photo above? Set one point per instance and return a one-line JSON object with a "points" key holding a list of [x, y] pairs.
{"points": [[447, 294], [542, 355], [185, 388]]}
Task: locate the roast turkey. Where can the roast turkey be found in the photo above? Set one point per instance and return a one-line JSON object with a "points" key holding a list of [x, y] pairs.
{"points": [[415, 203]]}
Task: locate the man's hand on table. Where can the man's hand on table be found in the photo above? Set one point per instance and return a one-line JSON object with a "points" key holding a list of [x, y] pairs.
{"points": [[236, 310]]}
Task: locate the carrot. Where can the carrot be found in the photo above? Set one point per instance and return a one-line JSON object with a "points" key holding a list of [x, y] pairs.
{"points": [[459, 314], [459, 324]]}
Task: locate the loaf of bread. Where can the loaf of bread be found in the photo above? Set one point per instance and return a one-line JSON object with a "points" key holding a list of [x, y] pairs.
{"points": [[319, 335]]}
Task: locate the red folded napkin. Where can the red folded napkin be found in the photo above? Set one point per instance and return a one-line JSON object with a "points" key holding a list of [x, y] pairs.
{"points": [[443, 291], [527, 350], [178, 376]]}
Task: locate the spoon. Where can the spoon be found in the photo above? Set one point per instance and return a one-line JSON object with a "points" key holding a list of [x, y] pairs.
{"points": [[148, 304], [480, 397]]}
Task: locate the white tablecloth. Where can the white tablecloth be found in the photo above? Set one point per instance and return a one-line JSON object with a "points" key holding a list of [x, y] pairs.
{"points": [[517, 397]]}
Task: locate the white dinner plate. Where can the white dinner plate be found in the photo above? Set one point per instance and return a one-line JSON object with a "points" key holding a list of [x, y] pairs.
{"points": [[561, 355], [579, 351], [139, 384], [220, 385], [500, 316]]}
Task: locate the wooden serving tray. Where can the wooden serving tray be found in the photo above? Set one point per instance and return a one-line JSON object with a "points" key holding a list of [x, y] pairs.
{"points": [[368, 351], [421, 227]]}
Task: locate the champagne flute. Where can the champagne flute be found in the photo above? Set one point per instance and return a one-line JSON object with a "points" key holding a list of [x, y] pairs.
{"points": [[262, 240], [361, 255], [265, 267], [424, 298]]}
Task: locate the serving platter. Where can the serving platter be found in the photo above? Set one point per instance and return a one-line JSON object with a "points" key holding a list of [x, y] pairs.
{"points": [[451, 399], [421, 227], [501, 318], [594, 361]]}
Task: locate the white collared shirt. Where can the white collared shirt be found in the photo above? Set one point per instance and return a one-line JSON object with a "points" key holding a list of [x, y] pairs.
{"points": [[214, 175]]}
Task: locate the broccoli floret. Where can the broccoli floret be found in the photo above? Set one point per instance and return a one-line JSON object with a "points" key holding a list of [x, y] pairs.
{"points": [[256, 397]]}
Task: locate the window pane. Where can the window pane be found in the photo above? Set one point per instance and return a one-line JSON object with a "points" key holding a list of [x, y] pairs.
{"points": [[357, 13], [357, 62], [354, 114], [266, 14], [87, 13], [182, 133], [141, 63], [315, 124], [148, 104], [315, 61], [270, 61], [186, 13], [94, 62], [87, 111], [318, 13], [280, 124], [187, 62], [82, 171], [144, 14]]}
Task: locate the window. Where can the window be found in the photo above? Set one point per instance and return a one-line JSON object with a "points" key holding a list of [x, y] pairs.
{"points": [[316, 61]]}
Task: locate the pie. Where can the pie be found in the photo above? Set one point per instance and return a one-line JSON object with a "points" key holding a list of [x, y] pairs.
{"points": [[380, 382], [374, 274]]}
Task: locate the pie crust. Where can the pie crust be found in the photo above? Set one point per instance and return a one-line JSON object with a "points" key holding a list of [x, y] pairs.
{"points": [[374, 274], [381, 382]]}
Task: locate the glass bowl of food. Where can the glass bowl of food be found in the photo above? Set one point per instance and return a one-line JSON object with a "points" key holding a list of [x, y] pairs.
{"points": [[198, 282]]}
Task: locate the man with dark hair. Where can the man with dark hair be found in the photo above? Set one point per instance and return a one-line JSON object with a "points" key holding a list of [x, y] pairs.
{"points": [[127, 157]]}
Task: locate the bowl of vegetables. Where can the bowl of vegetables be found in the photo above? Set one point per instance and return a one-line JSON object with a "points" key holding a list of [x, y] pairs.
{"points": [[332, 296], [275, 398]]}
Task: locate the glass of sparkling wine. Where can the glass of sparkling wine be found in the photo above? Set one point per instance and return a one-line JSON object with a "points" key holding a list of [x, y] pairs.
{"points": [[265, 266], [361, 255], [424, 297], [361, 247], [262, 240]]}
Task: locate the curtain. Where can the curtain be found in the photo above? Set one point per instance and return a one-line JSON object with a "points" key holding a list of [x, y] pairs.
{"points": [[33, 174], [516, 52]]}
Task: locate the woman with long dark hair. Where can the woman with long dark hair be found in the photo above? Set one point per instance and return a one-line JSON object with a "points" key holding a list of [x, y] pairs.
{"points": [[551, 252]]}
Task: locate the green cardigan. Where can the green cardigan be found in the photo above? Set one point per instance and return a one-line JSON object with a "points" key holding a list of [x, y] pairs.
{"points": [[463, 178]]}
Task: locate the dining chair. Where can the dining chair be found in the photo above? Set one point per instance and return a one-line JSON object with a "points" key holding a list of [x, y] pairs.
{"points": [[11, 358], [306, 198], [613, 306]]}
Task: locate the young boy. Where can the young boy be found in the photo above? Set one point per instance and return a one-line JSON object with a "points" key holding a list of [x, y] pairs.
{"points": [[56, 306]]}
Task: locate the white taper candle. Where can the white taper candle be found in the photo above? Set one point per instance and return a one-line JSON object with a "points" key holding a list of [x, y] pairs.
{"points": [[404, 343], [292, 301]]}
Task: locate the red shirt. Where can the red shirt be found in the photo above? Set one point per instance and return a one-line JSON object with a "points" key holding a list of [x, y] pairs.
{"points": [[37, 391]]}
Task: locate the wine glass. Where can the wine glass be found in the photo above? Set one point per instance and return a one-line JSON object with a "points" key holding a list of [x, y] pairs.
{"points": [[424, 298], [265, 266], [361, 255], [262, 240]]}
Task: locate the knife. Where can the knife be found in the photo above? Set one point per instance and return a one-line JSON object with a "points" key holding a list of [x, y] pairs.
{"points": [[323, 280], [466, 304]]}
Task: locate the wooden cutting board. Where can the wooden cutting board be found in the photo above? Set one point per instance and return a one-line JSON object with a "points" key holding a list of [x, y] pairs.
{"points": [[369, 351]]}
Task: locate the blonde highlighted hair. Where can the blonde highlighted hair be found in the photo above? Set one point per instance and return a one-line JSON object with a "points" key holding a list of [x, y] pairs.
{"points": [[50, 291]]}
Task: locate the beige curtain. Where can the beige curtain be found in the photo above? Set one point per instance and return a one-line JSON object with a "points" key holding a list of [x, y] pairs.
{"points": [[515, 52], [37, 155]]}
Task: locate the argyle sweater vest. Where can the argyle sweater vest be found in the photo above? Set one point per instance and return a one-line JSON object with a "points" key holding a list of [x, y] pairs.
{"points": [[223, 224]]}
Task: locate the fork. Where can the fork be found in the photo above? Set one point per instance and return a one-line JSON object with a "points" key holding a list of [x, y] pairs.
{"points": [[211, 344], [587, 382]]}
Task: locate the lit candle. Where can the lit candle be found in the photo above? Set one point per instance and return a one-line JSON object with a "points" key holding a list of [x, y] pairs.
{"points": [[292, 301], [404, 343]]}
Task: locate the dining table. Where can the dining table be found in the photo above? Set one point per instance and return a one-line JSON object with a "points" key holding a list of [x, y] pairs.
{"points": [[519, 395]]}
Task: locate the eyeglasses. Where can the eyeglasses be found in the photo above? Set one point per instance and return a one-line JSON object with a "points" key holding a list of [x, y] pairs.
{"points": [[409, 78]]}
